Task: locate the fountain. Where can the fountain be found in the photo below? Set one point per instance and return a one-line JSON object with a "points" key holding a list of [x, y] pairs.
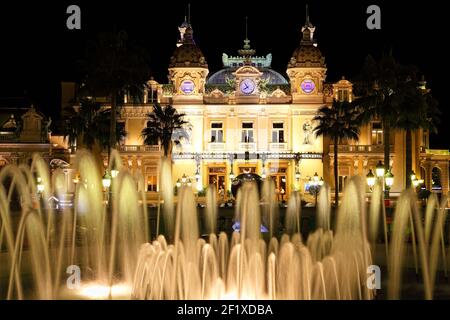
{"points": [[106, 236]]}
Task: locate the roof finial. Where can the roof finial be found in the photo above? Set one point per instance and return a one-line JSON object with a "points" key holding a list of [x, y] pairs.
{"points": [[189, 13], [246, 51], [246, 28], [307, 15]]}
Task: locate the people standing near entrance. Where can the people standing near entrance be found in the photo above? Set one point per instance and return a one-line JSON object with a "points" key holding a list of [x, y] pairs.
{"points": [[282, 192], [277, 192], [221, 194]]}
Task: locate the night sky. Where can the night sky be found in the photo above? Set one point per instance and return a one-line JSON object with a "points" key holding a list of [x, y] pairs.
{"points": [[38, 51]]}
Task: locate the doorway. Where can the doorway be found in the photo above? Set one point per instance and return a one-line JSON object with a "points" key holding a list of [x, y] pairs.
{"points": [[279, 177], [216, 177]]}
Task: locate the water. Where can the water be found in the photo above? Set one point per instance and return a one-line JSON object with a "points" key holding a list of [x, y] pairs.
{"points": [[107, 236]]}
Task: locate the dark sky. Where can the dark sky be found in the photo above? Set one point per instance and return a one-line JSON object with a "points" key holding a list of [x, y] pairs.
{"points": [[38, 51]]}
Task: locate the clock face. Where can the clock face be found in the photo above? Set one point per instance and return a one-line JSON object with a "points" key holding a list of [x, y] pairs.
{"points": [[187, 86], [247, 86], [308, 86]]}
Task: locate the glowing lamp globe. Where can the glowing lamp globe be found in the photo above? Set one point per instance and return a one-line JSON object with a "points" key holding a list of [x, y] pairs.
{"points": [[379, 170], [370, 179]]}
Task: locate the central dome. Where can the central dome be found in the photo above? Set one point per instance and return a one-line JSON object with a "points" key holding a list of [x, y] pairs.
{"points": [[221, 76]]}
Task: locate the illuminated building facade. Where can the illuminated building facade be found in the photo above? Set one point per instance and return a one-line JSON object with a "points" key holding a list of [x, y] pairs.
{"points": [[248, 117]]}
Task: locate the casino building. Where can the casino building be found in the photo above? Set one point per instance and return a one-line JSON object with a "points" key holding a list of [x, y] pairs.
{"points": [[248, 117]]}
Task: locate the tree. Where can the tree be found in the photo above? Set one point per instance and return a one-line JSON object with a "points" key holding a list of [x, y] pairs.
{"points": [[389, 91], [164, 127], [380, 90], [417, 110], [88, 124], [114, 66], [339, 122]]}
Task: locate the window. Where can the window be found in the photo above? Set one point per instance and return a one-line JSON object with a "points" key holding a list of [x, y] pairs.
{"points": [[247, 132], [377, 133], [152, 183], [278, 132], [216, 132], [342, 182], [343, 95]]}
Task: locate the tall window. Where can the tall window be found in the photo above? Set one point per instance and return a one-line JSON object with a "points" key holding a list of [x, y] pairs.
{"points": [[377, 133], [278, 132], [247, 132], [342, 182], [152, 183], [343, 95], [216, 132]]}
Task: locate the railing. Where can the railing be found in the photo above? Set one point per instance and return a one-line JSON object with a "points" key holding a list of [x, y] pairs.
{"points": [[278, 146], [437, 152], [247, 146], [139, 148], [216, 146], [376, 148], [8, 136]]}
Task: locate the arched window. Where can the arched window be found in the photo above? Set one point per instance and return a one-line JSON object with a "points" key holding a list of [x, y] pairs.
{"points": [[436, 179]]}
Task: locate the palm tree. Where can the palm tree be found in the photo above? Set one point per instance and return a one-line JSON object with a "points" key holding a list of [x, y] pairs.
{"points": [[89, 125], [339, 122], [114, 66], [381, 89], [162, 124], [417, 110]]}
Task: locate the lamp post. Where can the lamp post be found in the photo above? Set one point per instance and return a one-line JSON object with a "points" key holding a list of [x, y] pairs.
{"points": [[184, 181], [389, 182], [263, 174], [39, 187], [315, 184], [106, 182], [416, 182]]}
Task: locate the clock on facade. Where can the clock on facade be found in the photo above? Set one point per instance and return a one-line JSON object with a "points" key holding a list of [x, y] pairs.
{"points": [[307, 86], [187, 86], [247, 86]]}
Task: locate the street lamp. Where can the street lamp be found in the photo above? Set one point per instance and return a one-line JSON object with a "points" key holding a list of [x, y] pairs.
{"points": [[315, 184], [76, 178], [320, 183], [183, 178], [389, 179], [197, 175], [370, 179], [263, 174], [106, 180], [231, 173], [178, 184], [316, 177], [413, 176], [114, 173], [40, 185], [379, 169]]}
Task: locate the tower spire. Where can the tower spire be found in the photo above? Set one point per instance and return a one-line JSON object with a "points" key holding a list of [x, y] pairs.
{"points": [[189, 14], [307, 16], [246, 28], [308, 29], [246, 51]]}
